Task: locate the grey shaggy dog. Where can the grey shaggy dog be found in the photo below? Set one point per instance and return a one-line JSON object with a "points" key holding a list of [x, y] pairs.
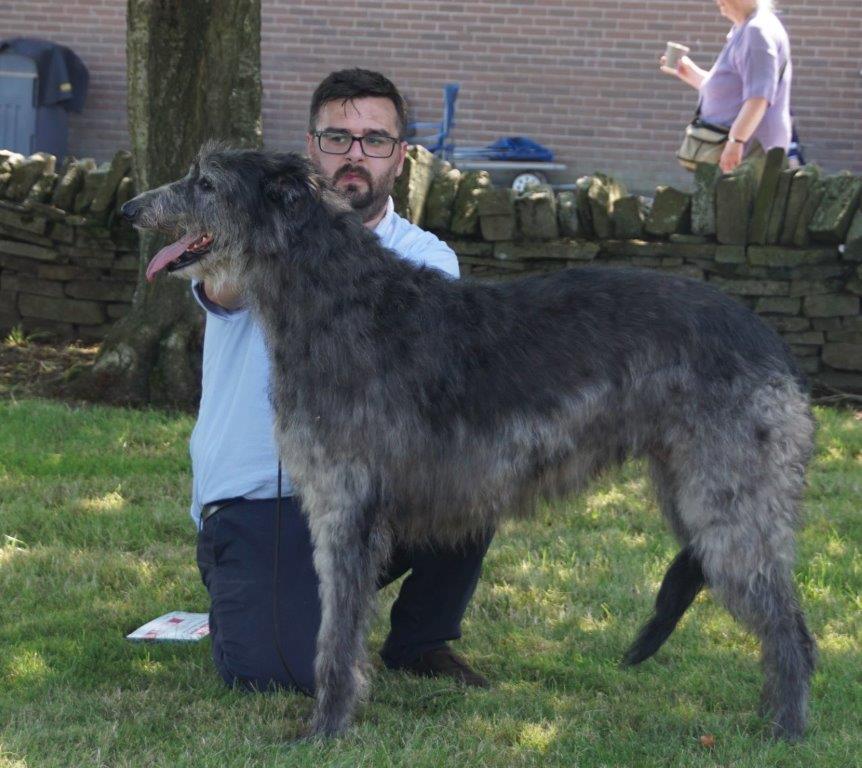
{"points": [[415, 407]]}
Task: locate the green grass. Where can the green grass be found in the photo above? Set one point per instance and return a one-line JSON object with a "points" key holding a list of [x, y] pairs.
{"points": [[95, 539]]}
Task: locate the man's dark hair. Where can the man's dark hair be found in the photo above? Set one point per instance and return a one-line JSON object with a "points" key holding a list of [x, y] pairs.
{"points": [[349, 84]]}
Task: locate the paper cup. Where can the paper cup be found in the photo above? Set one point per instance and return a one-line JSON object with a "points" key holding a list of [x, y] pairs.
{"points": [[673, 53]]}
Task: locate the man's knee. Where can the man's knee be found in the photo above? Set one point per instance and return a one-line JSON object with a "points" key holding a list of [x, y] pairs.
{"points": [[263, 670]]}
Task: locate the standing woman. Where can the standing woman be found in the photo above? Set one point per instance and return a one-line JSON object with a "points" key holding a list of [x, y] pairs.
{"points": [[748, 87]]}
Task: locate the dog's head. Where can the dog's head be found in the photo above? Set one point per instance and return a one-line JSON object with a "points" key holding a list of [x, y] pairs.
{"points": [[231, 204]]}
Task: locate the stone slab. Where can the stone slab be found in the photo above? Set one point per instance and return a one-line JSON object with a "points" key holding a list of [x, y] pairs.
{"points": [[497, 201], [63, 310], [671, 212], [465, 212], [411, 187], [853, 240], [26, 173], [805, 338], [830, 305], [780, 305], [801, 185], [703, 200], [801, 236], [734, 199], [40, 193], [103, 200], [779, 206], [752, 287], [730, 254], [787, 323], [28, 250], [628, 218], [842, 381], [537, 214], [25, 284], [93, 180], [831, 220], [470, 247], [781, 256], [69, 185], [582, 202], [22, 220], [764, 197], [100, 290], [495, 228], [602, 195], [565, 250], [567, 214], [845, 337], [815, 287], [844, 357]]}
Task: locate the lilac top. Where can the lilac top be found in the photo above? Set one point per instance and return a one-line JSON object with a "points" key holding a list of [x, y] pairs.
{"points": [[749, 66]]}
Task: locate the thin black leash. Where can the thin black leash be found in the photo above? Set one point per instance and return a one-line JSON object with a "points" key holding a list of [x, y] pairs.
{"points": [[275, 612]]}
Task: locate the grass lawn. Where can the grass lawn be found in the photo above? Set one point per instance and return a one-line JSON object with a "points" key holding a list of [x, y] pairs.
{"points": [[95, 539]]}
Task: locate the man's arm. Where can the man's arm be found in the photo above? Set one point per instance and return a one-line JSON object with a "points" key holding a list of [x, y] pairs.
{"points": [[227, 296]]}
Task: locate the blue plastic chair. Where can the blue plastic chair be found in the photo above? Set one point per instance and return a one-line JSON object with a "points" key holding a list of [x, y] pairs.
{"points": [[435, 136]]}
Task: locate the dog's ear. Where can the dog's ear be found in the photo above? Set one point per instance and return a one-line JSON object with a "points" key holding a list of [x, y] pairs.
{"points": [[287, 187]]}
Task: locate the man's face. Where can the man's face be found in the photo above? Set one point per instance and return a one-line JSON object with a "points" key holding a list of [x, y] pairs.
{"points": [[366, 181]]}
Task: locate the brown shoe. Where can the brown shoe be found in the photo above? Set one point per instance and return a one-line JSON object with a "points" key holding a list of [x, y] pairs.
{"points": [[444, 662]]}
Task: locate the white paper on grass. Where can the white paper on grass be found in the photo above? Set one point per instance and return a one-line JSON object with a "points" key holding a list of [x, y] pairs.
{"points": [[173, 627]]}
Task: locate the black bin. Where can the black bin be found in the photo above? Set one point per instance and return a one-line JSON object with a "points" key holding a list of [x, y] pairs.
{"points": [[40, 83]]}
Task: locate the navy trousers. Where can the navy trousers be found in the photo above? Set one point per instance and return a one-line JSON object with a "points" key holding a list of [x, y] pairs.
{"points": [[236, 557]]}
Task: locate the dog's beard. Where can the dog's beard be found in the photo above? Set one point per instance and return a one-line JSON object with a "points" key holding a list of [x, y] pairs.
{"points": [[219, 272], [370, 201]]}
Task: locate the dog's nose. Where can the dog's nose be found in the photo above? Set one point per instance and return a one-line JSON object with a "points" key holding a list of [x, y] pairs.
{"points": [[131, 209]]}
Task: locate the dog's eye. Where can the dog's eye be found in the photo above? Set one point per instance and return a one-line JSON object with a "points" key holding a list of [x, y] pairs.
{"points": [[205, 184]]}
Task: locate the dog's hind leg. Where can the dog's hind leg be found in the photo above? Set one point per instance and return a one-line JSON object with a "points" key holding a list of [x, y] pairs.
{"points": [[757, 588], [743, 535], [349, 547]]}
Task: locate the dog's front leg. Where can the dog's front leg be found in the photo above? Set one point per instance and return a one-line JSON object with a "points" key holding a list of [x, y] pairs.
{"points": [[349, 547]]}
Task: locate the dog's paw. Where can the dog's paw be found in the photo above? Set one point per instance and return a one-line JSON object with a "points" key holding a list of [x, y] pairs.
{"points": [[327, 727]]}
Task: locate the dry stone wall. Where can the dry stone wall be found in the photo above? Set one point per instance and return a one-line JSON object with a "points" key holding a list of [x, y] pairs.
{"points": [[787, 242], [68, 264]]}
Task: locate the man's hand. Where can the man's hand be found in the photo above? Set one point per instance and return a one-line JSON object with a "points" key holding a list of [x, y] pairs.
{"points": [[227, 296], [731, 156]]}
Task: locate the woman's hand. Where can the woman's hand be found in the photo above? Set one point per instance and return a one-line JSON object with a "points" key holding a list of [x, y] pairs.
{"points": [[686, 70], [731, 156]]}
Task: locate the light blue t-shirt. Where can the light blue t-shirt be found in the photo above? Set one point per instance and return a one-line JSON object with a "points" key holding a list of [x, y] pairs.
{"points": [[232, 446]]}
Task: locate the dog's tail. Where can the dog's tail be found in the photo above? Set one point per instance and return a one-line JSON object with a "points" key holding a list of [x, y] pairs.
{"points": [[683, 580]]}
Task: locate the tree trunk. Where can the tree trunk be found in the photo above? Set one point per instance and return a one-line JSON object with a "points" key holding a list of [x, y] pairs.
{"points": [[193, 74]]}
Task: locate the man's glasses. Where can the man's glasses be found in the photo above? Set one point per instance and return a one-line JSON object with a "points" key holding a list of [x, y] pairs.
{"points": [[340, 142]]}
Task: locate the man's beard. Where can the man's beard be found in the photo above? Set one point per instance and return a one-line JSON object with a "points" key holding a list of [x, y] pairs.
{"points": [[371, 201]]}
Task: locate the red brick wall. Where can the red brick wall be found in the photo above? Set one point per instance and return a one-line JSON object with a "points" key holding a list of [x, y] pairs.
{"points": [[579, 76]]}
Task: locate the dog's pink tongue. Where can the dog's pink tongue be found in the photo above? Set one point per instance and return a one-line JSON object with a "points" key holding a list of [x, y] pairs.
{"points": [[168, 254]]}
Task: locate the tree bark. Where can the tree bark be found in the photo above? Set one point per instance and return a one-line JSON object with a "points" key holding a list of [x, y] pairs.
{"points": [[193, 74]]}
